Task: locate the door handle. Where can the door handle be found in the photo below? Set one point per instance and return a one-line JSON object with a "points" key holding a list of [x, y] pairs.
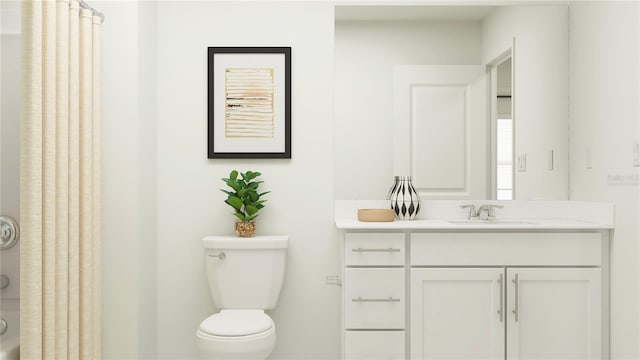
{"points": [[501, 310], [516, 307]]}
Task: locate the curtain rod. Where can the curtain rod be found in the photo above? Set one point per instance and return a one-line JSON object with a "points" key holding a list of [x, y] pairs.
{"points": [[84, 5]]}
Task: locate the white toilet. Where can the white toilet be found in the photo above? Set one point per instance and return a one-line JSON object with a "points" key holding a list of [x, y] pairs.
{"points": [[245, 277]]}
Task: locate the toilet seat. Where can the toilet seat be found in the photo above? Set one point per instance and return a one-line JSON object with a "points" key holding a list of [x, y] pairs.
{"points": [[236, 334], [237, 323]]}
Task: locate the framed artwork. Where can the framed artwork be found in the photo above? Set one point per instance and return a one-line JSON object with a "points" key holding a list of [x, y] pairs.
{"points": [[249, 111]]}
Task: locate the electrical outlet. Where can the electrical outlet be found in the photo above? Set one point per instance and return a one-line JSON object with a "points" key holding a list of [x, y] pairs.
{"points": [[522, 162]]}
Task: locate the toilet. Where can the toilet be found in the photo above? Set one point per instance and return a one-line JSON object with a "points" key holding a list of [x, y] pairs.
{"points": [[245, 277]]}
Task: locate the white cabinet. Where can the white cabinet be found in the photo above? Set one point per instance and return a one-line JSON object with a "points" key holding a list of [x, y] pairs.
{"points": [[533, 295], [541, 313], [475, 295], [374, 296]]}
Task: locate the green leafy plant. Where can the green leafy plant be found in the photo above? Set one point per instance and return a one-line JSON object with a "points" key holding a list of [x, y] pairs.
{"points": [[244, 197]]}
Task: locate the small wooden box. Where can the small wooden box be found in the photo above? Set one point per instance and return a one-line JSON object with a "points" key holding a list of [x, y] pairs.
{"points": [[376, 215]]}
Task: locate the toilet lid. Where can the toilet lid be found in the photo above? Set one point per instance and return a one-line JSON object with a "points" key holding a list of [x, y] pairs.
{"points": [[237, 323]]}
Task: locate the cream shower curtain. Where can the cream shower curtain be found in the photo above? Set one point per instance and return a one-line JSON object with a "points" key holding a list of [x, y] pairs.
{"points": [[60, 182]]}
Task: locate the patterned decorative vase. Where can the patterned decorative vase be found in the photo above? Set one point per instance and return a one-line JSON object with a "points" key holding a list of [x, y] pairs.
{"points": [[392, 190], [404, 198]]}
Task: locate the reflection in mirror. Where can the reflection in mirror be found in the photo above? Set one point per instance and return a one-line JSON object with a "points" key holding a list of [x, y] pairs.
{"points": [[503, 132], [372, 43]]}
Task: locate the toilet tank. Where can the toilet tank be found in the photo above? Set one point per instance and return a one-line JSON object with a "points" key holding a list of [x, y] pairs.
{"points": [[245, 273]]}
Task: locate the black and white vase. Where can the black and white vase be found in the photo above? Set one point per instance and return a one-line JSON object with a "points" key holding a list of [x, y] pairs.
{"points": [[404, 198]]}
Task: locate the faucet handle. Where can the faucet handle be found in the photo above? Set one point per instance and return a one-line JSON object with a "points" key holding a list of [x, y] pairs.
{"points": [[489, 208], [472, 210]]}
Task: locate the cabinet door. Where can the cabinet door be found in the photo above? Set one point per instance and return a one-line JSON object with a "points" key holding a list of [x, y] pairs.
{"points": [[456, 313], [554, 313]]}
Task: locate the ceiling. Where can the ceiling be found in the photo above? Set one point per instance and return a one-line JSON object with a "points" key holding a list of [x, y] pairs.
{"points": [[411, 13]]}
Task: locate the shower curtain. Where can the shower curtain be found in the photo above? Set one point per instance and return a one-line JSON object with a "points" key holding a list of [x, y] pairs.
{"points": [[60, 182]]}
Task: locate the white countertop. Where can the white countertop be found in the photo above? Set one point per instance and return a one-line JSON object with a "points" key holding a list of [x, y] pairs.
{"points": [[516, 215], [449, 224]]}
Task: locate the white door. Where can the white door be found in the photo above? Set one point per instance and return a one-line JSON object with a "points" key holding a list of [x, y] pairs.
{"points": [[456, 313], [440, 130], [554, 313]]}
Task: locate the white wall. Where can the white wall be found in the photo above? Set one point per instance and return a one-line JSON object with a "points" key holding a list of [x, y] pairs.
{"points": [[147, 196], [10, 11], [190, 206], [120, 183], [10, 162], [128, 180], [604, 115], [540, 93], [138, 289], [365, 53]]}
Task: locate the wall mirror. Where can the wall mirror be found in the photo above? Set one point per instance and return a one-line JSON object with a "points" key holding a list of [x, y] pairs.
{"points": [[420, 91]]}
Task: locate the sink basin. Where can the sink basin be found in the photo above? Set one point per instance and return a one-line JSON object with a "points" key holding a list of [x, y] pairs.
{"points": [[489, 222]]}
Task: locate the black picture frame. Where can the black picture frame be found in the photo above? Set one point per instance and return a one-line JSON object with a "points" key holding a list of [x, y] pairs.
{"points": [[222, 145]]}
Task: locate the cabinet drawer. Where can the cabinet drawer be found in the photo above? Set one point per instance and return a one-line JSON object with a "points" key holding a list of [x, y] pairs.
{"points": [[381, 249], [506, 249], [374, 298], [374, 345]]}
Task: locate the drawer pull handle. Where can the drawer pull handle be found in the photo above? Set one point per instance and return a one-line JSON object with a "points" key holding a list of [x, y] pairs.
{"points": [[375, 250], [389, 299]]}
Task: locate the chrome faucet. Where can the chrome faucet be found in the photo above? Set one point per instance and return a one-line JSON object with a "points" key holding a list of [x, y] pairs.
{"points": [[472, 211], [486, 211]]}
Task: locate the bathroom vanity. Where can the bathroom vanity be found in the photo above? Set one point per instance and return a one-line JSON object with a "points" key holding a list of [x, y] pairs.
{"points": [[452, 288]]}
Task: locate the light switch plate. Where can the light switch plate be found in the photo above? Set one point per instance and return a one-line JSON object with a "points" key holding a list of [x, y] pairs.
{"points": [[587, 157], [522, 162], [550, 160], [636, 153]]}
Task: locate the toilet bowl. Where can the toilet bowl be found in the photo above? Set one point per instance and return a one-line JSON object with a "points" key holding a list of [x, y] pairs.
{"points": [[236, 334], [245, 277]]}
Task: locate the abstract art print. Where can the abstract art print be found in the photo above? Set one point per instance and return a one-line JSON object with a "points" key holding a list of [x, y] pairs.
{"points": [[249, 111]]}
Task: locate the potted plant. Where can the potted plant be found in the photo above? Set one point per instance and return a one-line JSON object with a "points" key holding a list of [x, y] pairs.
{"points": [[244, 199]]}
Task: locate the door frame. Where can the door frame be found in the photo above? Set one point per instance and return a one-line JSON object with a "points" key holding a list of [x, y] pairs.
{"points": [[492, 116]]}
